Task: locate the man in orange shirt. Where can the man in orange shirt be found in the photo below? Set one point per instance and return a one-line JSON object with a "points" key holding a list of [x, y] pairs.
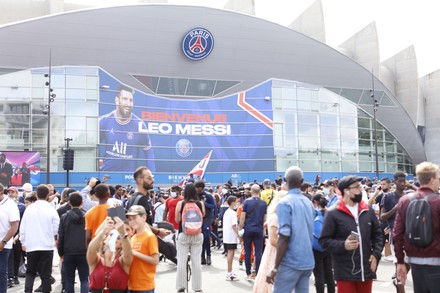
{"points": [[96, 215], [145, 252]]}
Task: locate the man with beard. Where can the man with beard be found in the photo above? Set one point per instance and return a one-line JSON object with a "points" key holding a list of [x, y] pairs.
{"points": [[145, 181], [123, 147], [5, 171], [352, 234]]}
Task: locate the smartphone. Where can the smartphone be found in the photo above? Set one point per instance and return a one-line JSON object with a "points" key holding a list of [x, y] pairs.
{"points": [[354, 235], [118, 211]]}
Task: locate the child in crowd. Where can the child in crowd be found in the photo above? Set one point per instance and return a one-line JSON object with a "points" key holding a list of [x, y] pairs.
{"points": [[230, 235], [145, 252]]}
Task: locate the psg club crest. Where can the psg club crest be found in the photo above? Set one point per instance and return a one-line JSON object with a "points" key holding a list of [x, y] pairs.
{"points": [[197, 44], [184, 148]]}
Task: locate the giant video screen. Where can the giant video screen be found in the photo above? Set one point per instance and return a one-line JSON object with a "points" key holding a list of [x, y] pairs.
{"points": [[172, 135], [18, 168]]}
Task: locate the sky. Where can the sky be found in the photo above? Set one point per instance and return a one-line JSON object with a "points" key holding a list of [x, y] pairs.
{"points": [[399, 23]]}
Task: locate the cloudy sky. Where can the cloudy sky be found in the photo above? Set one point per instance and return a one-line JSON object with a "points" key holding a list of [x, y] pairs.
{"points": [[400, 23]]}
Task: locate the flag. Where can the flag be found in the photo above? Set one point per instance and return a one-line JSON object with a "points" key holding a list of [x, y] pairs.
{"points": [[198, 169]]}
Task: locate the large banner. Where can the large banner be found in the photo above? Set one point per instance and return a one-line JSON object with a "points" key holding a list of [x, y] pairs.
{"points": [[18, 168], [171, 135]]}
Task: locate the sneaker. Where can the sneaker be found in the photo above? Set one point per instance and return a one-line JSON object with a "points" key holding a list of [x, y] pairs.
{"points": [[16, 281], [250, 278], [232, 277], [241, 267], [10, 283]]}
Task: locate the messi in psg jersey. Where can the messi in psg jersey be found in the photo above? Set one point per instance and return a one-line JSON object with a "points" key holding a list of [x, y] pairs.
{"points": [[122, 146]]}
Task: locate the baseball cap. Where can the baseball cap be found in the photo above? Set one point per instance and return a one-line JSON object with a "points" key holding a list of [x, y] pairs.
{"points": [[27, 187], [266, 182], [13, 188], [329, 183], [346, 181], [136, 210]]}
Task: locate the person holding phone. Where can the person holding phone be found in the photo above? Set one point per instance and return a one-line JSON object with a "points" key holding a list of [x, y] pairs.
{"points": [[352, 234]]}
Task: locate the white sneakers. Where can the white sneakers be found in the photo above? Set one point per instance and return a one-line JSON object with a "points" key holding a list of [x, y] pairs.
{"points": [[232, 277]]}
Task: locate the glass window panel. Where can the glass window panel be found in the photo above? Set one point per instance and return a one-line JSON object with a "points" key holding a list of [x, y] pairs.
{"points": [[82, 70], [330, 166], [349, 156], [92, 82], [304, 105], [92, 95], [365, 145], [365, 167], [82, 109], [386, 101], [349, 143], [277, 93], [75, 94], [278, 135], [349, 132], [288, 103], [329, 108], [75, 81], [38, 80], [348, 121], [277, 104], [351, 94], [389, 137], [314, 95], [283, 163], [328, 120], [174, 86], [330, 143], [58, 81], [38, 92], [347, 108], [349, 166], [309, 165], [330, 155], [364, 123], [366, 98], [78, 123], [308, 142], [314, 106], [306, 118], [288, 93], [307, 130], [304, 94], [223, 85], [92, 129], [331, 131], [335, 90], [365, 134], [200, 87]]}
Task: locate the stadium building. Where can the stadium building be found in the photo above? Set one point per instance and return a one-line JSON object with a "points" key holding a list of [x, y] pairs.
{"points": [[164, 85]]}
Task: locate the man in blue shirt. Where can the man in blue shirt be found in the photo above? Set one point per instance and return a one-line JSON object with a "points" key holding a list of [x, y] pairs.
{"points": [[294, 261], [122, 147]]}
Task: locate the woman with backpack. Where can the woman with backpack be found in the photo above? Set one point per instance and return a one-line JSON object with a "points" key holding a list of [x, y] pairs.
{"points": [[189, 216], [323, 271]]}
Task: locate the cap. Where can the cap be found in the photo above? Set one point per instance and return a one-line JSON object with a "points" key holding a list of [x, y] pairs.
{"points": [[329, 183], [346, 181], [136, 210], [27, 187], [266, 182], [13, 188], [71, 190]]}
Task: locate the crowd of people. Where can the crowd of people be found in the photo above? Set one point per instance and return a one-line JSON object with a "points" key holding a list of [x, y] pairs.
{"points": [[282, 231]]}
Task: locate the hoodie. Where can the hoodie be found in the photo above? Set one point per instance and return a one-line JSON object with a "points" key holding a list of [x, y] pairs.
{"points": [[71, 234]]}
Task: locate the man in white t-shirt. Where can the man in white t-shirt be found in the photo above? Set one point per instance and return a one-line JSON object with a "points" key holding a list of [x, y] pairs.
{"points": [[9, 219], [230, 235], [159, 207]]}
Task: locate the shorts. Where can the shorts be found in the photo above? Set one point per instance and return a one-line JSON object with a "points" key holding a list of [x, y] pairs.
{"points": [[230, 246]]}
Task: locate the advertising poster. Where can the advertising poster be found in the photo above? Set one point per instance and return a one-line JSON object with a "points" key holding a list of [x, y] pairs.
{"points": [[18, 168], [173, 135]]}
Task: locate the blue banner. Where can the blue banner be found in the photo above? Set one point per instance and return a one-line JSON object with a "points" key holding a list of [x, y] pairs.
{"points": [[172, 135]]}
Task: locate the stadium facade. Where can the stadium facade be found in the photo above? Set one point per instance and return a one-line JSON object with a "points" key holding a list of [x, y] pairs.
{"points": [[264, 97]]}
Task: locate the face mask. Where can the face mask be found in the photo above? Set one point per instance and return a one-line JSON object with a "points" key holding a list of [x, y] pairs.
{"points": [[385, 190], [326, 191], [2, 160], [357, 198], [173, 194]]}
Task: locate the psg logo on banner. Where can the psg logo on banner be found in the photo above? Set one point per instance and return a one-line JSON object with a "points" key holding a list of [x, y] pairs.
{"points": [[184, 148], [197, 44]]}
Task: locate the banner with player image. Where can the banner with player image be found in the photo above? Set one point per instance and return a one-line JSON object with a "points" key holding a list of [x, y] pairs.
{"points": [[18, 168], [171, 135]]}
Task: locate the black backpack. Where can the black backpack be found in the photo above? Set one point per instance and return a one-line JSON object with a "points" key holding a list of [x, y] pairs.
{"points": [[418, 223], [134, 200]]}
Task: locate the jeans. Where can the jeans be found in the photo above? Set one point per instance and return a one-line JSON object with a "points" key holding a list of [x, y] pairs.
{"points": [[15, 259], [288, 280], [426, 278], [4, 259], [38, 261], [70, 264], [206, 249], [323, 272], [257, 239]]}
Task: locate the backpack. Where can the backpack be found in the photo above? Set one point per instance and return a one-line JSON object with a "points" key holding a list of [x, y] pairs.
{"points": [[418, 223], [192, 218], [134, 200], [317, 231]]}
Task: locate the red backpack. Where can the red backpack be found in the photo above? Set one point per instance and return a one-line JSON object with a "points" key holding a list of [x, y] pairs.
{"points": [[192, 218]]}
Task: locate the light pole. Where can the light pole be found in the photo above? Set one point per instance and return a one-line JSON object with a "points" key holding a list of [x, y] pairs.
{"points": [[50, 99], [375, 107]]}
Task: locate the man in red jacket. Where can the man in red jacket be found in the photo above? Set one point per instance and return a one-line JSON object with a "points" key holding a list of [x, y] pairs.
{"points": [[425, 262]]}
